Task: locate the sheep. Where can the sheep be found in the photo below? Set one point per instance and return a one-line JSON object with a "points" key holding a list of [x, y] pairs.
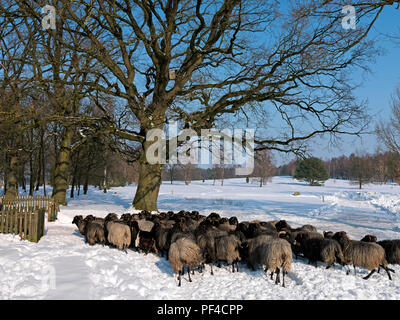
{"points": [[364, 254], [233, 221], [161, 231], [247, 248], [328, 234], [91, 218], [281, 225], [255, 229], [224, 225], [80, 223], [94, 232], [184, 253], [369, 238], [227, 249], [145, 225], [392, 248], [275, 254], [146, 242], [295, 238], [307, 227], [205, 238], [119, 234], [328, 251]]}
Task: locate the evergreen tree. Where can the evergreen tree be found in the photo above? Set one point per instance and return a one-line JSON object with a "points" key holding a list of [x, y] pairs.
{"points": [[311, 170]]}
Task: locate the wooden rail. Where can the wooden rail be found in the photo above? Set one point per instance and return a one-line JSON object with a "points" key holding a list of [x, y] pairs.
{"points": [[33, 203]]}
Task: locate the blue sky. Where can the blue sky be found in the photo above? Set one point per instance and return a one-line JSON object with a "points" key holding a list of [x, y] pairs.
{"points": [[377, 88]]}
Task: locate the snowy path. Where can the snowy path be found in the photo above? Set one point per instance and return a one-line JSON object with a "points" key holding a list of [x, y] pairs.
{"points": [[62, 266]]}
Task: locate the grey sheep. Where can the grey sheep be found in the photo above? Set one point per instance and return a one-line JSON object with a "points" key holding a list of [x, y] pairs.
{"points": [[247, 248], [227, 249], [119, 234], [275, 255], [145, 225], [364, 254], [206, 242], [392, 248], [94, 233], [184, 253]]}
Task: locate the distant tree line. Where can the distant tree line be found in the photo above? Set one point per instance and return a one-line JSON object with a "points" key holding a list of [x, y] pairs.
{"points": [[361, 168]]}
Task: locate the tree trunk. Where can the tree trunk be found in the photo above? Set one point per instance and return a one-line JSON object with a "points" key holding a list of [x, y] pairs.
{"points": [[11, 192], [148, 185], [105, 180], [61, 173], [31, 178]]}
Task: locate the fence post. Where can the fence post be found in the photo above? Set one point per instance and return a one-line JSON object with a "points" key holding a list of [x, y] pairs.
{"points": [[42, 223], [2, 220]]}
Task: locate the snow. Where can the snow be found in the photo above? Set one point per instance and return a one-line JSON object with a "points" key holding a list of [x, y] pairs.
{"points": [[62, 266]]}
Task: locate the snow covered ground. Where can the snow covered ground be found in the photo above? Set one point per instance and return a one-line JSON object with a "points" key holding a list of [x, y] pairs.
{"points": [[62, 266]]}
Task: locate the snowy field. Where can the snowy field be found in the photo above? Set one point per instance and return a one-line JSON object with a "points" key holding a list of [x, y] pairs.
{"points": [[62, 266]]}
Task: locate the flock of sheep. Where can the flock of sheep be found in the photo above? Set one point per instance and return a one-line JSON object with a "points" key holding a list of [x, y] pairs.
{"points": [[189, 239]]}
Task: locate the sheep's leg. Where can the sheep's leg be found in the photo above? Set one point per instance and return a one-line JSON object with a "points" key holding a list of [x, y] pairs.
{"points": [[192, 272], [272, 274], [277, 280], [233, 267], [355, 270], [370, 274], [179, 278], [348, 270], [387, 271], [212, 272], [237, 266], [188, 271], [283, 278]]}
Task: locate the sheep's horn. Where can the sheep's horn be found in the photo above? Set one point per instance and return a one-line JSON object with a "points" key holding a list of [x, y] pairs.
{"points": [[281, 232]]}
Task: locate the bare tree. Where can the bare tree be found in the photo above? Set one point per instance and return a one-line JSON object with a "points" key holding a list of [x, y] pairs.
{"points": [[202, 61], [264, 168]]}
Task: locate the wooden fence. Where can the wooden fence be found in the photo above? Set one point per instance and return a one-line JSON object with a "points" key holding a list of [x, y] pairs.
{"points": [[32, 204], [27, 224]]}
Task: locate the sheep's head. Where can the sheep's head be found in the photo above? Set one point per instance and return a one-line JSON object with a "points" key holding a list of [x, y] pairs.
{"points": [[244, 250], [328, 234], [194, 215], [214, 216], [111, 217], [369, 238], [233, 221], [282, 224], [77, 219], [341, 237], [223, 220], [89, 218], [126, 216]]}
